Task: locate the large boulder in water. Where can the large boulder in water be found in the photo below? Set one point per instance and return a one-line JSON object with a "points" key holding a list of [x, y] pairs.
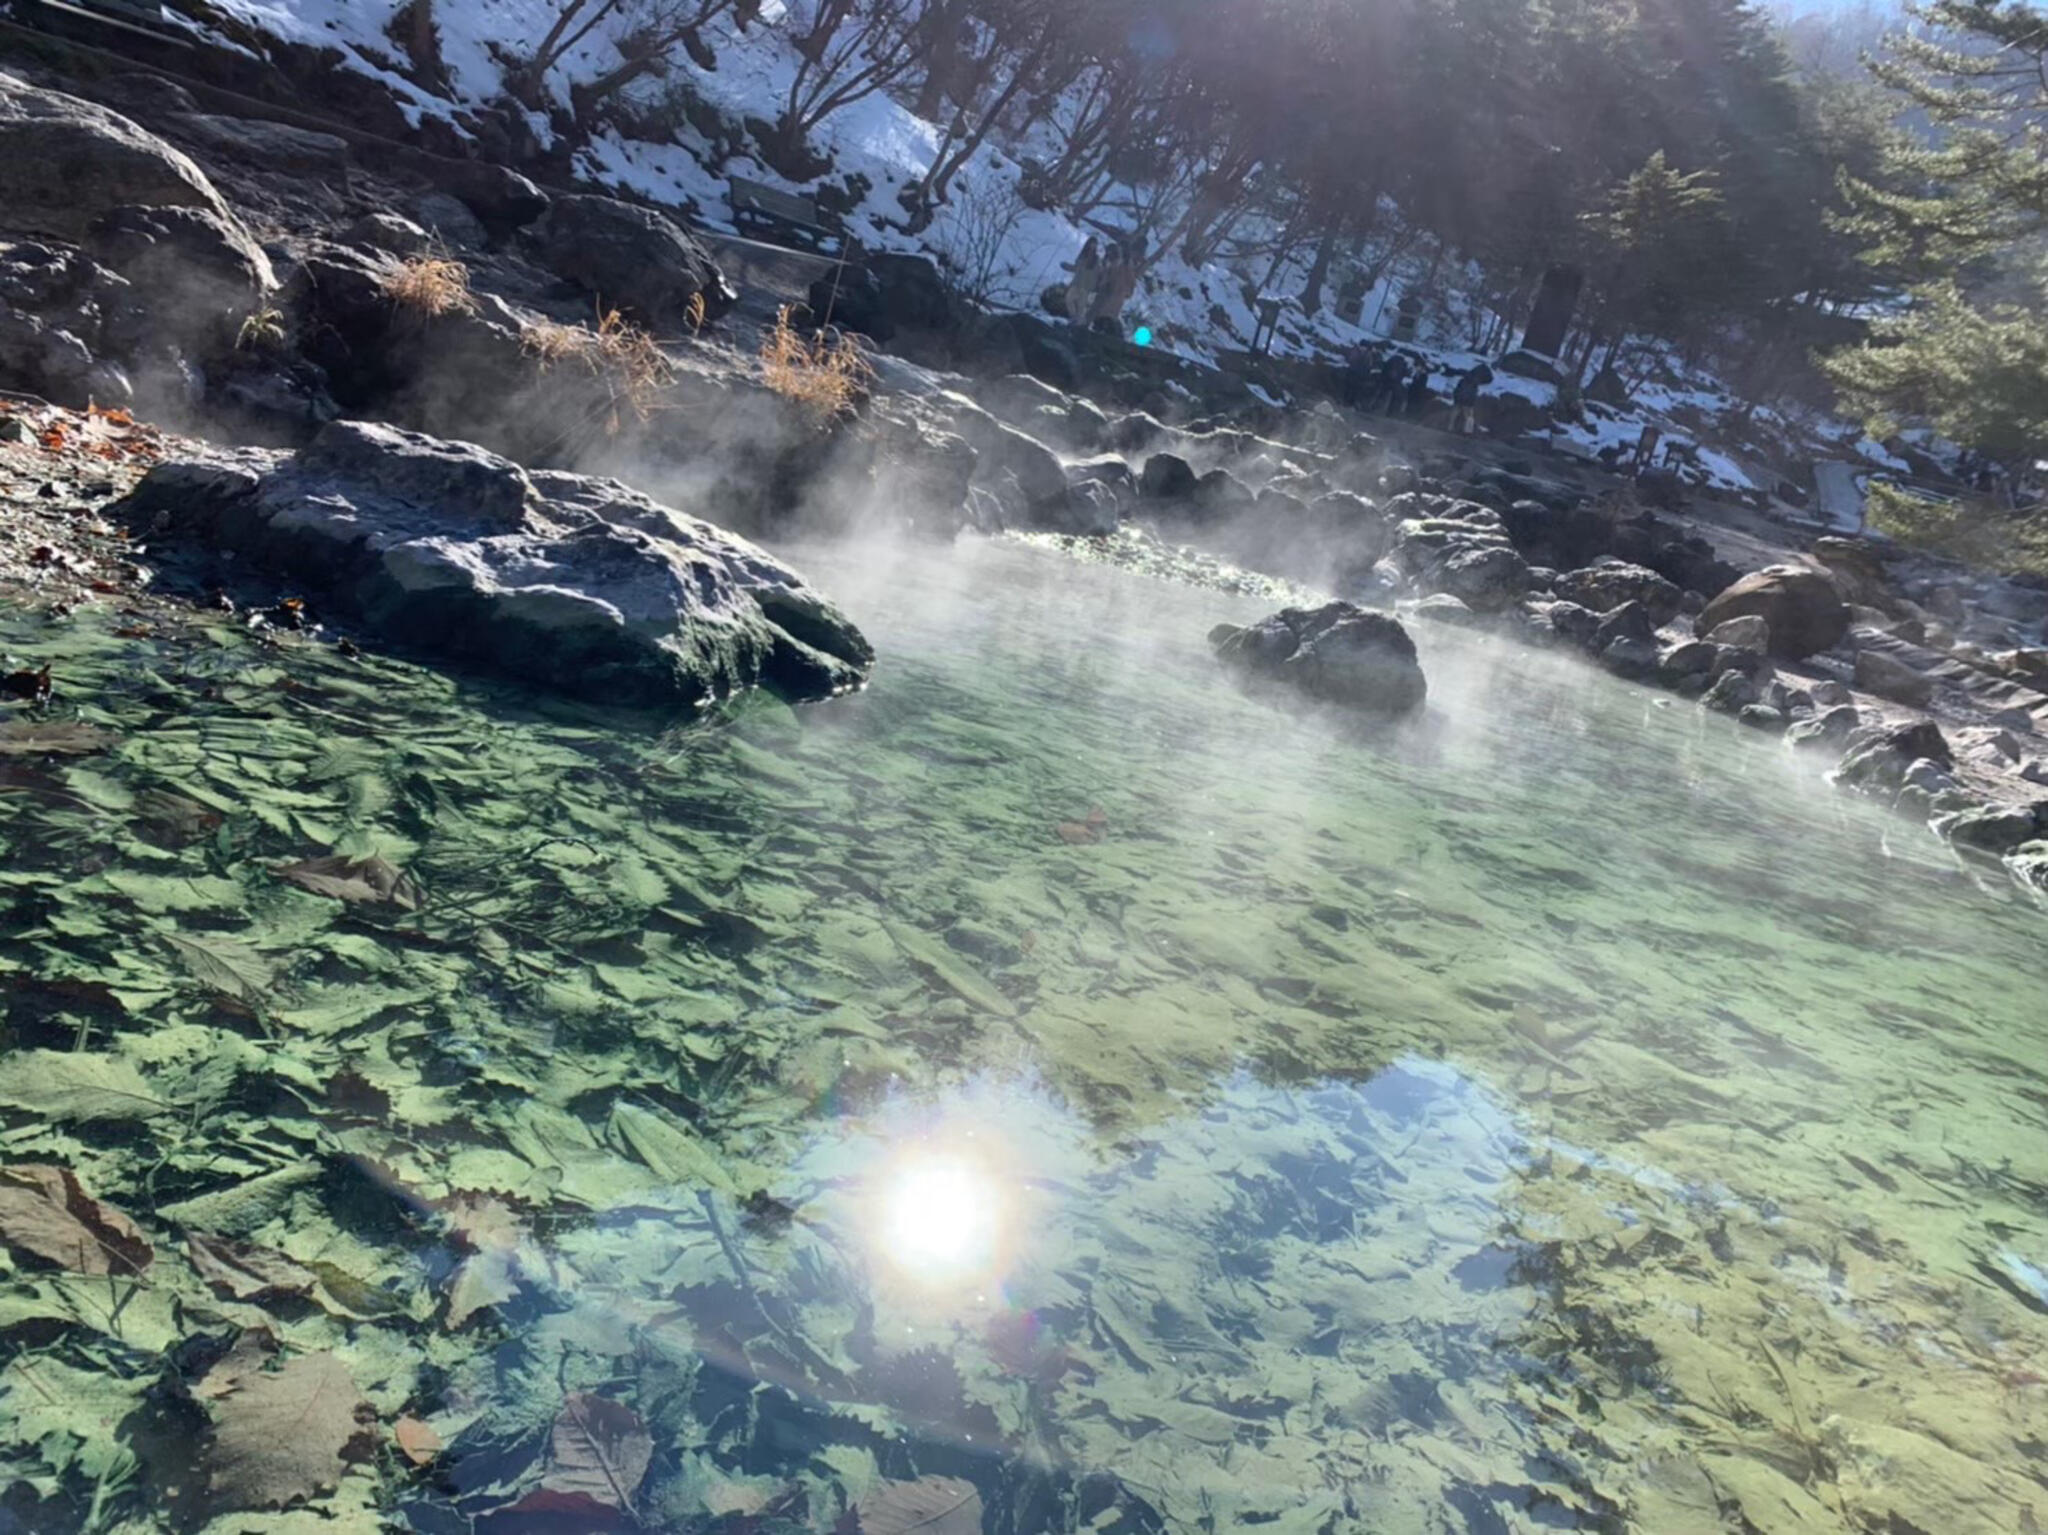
{"points": [[64, 162], [567, 581], [1801, 606], [1338, 654], [632, 259]]}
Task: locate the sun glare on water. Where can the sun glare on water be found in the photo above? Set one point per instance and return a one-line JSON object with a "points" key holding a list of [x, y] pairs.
{"points": [[943, 1216]]}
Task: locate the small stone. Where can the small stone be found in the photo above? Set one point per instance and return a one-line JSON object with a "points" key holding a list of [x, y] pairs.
{"points": [[1928, 775], [1731, 693], [1828, 693], [1630, 657], [1690, 658], [1763, 717], [1828, 729]]}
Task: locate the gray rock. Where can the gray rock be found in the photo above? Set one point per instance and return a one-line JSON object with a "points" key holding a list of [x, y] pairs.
{"points": [[1220, 496], [1731, 693], [1928, 776], [1571, 623], [1748, 632], [1338, 654], [1828, 693], [64, 162], [1995, 829], [1486, 578], [1630, 657], [1877, 757], [278, 146], [44, 358], [1456, 546], [1024, 473], [1804, 611], [1443, 608], [565, 581], [1762, 717], [632, 259], [1090, 509], [389, 233], [2034, 770], [501, 198], [1829, 729], [450, 220], [197, 275], [1628, 621], [1610, 583], [151, 95], [1753, 664], [1166, 477], [1891, 678], [1690, 659]]}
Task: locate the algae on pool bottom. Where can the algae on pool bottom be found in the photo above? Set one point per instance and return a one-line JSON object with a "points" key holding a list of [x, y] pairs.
{"points": [[1567, 1115]]}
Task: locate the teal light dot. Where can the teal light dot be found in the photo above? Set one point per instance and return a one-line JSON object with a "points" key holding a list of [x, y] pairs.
{"points": [[1142, 335]]}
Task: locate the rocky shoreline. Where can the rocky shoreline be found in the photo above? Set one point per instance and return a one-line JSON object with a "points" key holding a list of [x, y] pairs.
{"points": [[460, 308]]}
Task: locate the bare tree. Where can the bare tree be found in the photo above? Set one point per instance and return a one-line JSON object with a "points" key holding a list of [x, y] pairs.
{"points": [[650, 32], [846, 50]]}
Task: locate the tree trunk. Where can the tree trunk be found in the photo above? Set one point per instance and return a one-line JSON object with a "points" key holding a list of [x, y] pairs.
{"points": [[1319, 272]]}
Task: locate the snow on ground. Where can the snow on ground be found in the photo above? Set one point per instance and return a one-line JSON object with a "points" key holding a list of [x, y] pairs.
{"points": [[1000, 251]]}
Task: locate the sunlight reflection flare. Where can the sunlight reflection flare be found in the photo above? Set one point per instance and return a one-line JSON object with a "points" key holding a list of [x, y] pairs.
{"points": [[944, 1215], [941, 1217]]}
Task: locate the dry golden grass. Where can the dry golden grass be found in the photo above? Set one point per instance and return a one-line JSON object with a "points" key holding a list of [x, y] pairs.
{"points": [[826, 374], [628, 359], [430, 285]]}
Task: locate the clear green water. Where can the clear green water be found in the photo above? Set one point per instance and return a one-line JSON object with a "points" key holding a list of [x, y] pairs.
{"points": [[1568, 1116]]}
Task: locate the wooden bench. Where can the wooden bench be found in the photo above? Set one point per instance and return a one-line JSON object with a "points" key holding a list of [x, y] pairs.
{"points": [[769, 212]]}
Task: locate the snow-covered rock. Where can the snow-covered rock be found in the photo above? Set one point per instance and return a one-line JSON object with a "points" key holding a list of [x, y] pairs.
{"points": [[565, 581]]}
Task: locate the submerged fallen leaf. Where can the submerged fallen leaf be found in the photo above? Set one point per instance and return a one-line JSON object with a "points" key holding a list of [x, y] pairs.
{"points": [[29, 738], [77, 1085], [286, 1436], [233, 969], [372, 880], [244, 1271], [173, 820], [417, 1442], [931, 1505], [1090, 828], [598, 1455], [45, 1215], [491, 1234]]}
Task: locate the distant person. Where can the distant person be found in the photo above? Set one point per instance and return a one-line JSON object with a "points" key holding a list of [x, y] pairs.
{"points": [[1119, 283], [1087, 278], [1360, 387], [1419, 393], [1393, 384], [1465, 398]]}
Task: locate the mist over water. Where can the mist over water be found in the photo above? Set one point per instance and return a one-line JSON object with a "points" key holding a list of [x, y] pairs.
{"points": [[1562, 1113]]}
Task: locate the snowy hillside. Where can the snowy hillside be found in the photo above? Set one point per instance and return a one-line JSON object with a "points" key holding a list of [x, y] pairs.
{"points": [[997, 248]]}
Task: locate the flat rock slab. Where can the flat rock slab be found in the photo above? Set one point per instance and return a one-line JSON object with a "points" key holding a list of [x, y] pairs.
{"points": [[568, 582]]}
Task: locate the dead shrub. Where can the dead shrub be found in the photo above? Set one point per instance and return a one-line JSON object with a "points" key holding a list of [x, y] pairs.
{"points": [[826, 374], [628, 360], [431, 286]]}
